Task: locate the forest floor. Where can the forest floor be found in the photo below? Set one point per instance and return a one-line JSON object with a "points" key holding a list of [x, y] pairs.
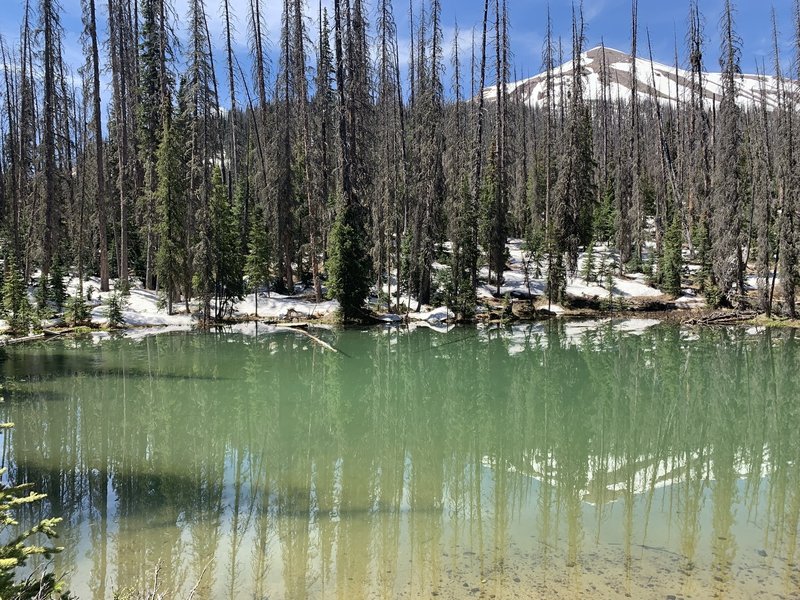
{"points": [[520, 298]]}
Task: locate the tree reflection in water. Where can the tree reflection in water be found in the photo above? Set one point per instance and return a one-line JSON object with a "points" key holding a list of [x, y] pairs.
{"points": [[553, 459]]}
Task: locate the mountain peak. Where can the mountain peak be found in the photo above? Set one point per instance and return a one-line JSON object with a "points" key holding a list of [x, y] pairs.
{"points": [[608, 74]]}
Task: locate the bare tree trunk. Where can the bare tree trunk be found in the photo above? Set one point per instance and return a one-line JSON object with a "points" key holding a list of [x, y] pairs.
{"points": [[477, 148], [100, 198], [117, 51], [49, 138]]}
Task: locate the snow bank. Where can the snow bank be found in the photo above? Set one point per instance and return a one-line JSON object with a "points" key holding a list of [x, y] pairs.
{"points": [[634, 289], [141, 310], [751, 282], [140, 307], [278, 306], [526, 277]]}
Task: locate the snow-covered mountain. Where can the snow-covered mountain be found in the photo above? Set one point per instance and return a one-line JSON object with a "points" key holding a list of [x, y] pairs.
{"points": [[610, 71]]}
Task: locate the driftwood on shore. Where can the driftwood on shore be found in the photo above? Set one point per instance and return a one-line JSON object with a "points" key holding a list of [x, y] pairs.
{"points": [[722, 318]]}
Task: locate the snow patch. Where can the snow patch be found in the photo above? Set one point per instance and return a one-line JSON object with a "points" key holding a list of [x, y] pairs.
{"points": [[278, 306], [688, 301], [141, 310]]}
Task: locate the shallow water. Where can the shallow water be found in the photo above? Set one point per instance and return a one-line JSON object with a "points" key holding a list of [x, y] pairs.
{"points": [[558, 460]]}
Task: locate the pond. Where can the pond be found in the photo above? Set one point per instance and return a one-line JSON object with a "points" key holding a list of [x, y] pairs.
{"points": [[563, 459]]}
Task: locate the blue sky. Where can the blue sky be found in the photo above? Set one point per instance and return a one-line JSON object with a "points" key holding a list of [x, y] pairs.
{"points": [[608, 20]]}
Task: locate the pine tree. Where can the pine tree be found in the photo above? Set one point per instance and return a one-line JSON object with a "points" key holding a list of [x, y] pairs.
{"points": [[492, 233], [726, 224], [217, 259], [257, 264], [497, 238], [605, 217], [76, 311], [465, 254], [609, 283], [228, 271], [314, 201], [556, 279], [16, 308], [428, 178], [348, 264], [232, 119], [154, 99], [284, 189], [588, 272], [58, 291], [170, 262], [702, 245], [389, 206], [671, 260], [115, 305], [477, 178], [574, 194]]}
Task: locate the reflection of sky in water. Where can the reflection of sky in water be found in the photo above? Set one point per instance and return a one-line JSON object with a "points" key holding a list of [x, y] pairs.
{"points": [[552, 460]]}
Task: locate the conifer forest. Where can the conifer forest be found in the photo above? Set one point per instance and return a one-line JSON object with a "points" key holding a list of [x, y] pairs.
{"points": [[353, 168], [203, 203]]}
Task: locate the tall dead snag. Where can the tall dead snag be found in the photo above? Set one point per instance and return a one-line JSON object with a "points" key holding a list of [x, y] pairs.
{"points": [[300, 101], [477, 147], [90, 24], [726, 189], [48, 25]]}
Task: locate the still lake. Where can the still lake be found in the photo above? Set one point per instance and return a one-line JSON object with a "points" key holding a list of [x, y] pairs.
{"points": [[563, 459]]}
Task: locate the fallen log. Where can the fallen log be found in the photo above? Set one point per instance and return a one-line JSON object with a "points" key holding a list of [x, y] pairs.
{"points": [[307, 334], [22, 340], [723, 318], [54, 333]]}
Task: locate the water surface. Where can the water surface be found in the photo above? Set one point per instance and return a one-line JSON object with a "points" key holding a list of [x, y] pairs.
{"points": [[557, 460]]}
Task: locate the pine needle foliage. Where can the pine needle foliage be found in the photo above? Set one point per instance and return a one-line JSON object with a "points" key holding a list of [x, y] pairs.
{"points": [[348, 265], [24, 543], [16, 308]]}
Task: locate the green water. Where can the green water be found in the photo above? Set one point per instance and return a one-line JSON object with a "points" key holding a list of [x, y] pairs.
{"points": [[556, 460]]}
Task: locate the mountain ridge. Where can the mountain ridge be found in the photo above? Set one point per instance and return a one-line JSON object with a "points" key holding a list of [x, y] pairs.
{"points": [[607, 74]]}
